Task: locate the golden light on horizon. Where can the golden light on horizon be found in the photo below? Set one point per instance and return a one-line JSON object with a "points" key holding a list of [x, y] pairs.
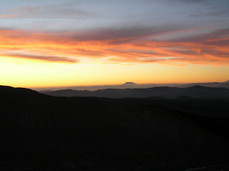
{"points": [[33, 73]]}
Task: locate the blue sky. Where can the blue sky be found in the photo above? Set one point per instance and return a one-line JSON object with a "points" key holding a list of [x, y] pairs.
{"points": [[89, 14]]}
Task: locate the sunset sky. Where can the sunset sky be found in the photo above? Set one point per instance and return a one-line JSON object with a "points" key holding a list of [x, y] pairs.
{"points": [[45, 43]]}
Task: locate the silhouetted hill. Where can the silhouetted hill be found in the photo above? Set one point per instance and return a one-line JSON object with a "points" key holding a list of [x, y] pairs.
{"points": [[210, 84], [168, 92], [226, 82], [129, 83], [40, 132]]}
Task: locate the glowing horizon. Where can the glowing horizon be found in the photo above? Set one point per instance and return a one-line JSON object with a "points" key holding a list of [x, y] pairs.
{"points": [[75, 43]]}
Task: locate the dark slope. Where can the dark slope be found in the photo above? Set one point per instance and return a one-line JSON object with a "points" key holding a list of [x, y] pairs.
{"points": [[58, 133], [168, 92]]}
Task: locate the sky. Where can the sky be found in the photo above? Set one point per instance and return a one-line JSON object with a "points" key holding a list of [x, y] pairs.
{"points": [[48, 43]]}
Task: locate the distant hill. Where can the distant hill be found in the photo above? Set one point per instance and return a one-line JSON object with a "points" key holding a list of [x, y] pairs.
{"points": [[210, 84], [129, 83], [167, 92], [226, 82], [41, 132]]}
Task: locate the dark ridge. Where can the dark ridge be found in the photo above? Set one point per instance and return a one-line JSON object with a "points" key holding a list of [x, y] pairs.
{"points": [[196, 91], [206, 88], [41, 132]]}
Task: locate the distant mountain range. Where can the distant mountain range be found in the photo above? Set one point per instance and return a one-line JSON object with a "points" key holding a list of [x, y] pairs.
{"points": [[167, 92], [135, 85], [211, 84]]}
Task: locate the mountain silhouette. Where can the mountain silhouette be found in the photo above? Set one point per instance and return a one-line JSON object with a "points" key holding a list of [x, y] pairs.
{"points": [[167, 92], [85, 133], [129, 83], [226, 82]]}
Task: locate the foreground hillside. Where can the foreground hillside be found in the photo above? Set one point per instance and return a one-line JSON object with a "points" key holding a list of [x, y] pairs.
{"points": [[41, 132]]}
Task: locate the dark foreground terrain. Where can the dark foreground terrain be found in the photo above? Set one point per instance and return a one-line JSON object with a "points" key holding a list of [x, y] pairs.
{"points": [[41, 132]]}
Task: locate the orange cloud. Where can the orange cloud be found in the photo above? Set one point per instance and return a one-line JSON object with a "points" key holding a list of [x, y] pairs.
{"points": [[120, 46]]}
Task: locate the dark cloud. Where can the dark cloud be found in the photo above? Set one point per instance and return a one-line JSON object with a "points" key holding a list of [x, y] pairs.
{"points": [[223, 43], [224, 12], [119, 35], [215, 37], [195, 1], [41, 57], [216, 53], [185, 51]]}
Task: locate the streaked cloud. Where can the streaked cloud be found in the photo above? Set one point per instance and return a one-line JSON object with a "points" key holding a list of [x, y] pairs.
{"points": [[128, 45], [47, 11], [119, 31], [9, 16], [40, 57]]}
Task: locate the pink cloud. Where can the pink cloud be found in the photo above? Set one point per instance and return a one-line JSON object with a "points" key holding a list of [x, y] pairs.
{"points": [[122, 46]]}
